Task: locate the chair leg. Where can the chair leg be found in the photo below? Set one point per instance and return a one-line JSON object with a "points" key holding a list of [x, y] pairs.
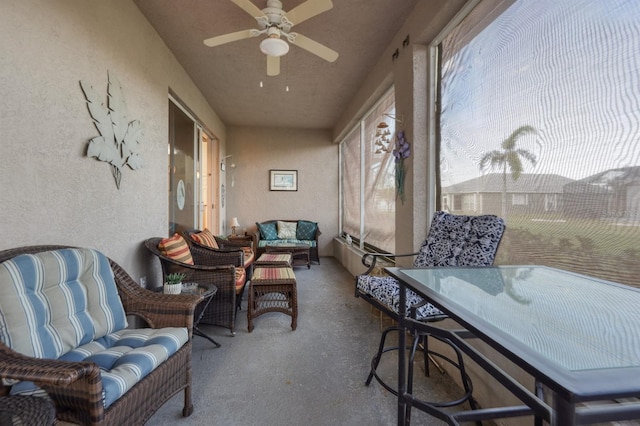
{"points": [[414, 348], [458, 364], [425, 351], [381, 349]]}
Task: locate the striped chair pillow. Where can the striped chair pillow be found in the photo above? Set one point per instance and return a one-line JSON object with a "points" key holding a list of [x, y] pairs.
{"points": [[176, 248], [206, 238]]}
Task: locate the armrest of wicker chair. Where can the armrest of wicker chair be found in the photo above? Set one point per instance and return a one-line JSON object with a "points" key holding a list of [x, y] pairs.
{"points": [[157, 309], [72, 385], [46, 372], [205, 257], [225, 243]]}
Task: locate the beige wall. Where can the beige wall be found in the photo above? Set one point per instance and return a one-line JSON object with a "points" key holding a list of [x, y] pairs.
{"points": [[257, 150], [51, 192]]}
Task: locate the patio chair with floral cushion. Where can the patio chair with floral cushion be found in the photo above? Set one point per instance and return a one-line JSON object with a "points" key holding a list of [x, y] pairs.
{"points": [[453, 240]]}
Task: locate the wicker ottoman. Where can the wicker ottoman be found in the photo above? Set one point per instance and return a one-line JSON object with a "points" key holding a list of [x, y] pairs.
{"points": [[299, 252], [274, 259], [273, 289]]}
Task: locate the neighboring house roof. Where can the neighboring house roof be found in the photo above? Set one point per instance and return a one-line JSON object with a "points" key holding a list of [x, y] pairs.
{"points": [[527, 183], [605, 182]]}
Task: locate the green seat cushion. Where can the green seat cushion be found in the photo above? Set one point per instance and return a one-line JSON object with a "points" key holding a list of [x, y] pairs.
{"points": [[264, 243]]}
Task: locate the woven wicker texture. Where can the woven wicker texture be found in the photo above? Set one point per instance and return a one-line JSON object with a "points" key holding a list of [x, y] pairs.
{"points": [[275, 259], [218, 269], [300, 253], [226, 246], [76, 387], [273, 289], [26, 410]]}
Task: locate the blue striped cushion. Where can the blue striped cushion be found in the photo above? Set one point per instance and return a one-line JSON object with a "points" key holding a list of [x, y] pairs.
{"points": [[77, 284], [124, 357]]}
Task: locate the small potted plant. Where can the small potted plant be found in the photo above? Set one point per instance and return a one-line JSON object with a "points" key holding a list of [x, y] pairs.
{"points": [[174, 283]]}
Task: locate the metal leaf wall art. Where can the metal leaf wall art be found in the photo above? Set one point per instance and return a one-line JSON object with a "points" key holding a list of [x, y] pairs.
{"points": [[119, 140]]}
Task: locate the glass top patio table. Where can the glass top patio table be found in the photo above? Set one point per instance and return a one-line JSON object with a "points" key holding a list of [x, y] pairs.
{"points": [[578, 335]]}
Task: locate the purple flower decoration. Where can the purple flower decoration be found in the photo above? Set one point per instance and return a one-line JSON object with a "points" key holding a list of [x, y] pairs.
{"points": [[402, 147], [401, 152]]}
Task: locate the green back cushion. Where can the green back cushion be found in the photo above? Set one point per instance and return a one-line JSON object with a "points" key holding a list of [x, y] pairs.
{"points": [[268, 231], [52, 302], [306, 230]]}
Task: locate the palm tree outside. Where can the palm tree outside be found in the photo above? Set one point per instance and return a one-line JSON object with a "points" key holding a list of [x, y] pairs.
{"points": [[510, 157]]}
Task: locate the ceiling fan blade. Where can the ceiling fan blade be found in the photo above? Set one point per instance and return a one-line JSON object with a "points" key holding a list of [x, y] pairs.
{"points": [[228, 38], [314, 47], [307, 10], [273, 65], [249, 7]]}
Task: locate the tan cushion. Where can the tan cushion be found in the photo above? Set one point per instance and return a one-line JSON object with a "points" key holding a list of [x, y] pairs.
{"points": [[249, 257], [241, 277], [287, 230], [206, 238], [176, 248]]}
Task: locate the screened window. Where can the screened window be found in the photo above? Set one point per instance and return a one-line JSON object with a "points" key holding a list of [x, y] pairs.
{"points": [[469, 202], [540, 117], [368, 178], [519, 199]]}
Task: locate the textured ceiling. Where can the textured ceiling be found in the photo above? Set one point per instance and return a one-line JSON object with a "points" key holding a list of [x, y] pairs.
{"points": [[229, 76]]}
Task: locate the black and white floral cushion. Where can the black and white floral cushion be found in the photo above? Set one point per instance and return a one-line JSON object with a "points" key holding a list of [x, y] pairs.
{"points": [[453, 240]]}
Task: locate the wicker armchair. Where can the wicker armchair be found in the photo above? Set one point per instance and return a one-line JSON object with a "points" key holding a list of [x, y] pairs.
{"points": [[225, 246], [219, 270], [76, 388]]}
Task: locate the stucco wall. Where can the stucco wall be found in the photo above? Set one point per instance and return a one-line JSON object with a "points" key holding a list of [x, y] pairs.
{"points": [[257, 150], [51, 192]]}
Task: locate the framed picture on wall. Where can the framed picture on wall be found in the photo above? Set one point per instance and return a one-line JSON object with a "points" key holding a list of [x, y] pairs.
{"points": [[283, 180]]}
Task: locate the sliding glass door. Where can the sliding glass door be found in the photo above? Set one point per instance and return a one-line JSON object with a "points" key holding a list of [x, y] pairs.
{"points": [[190, 179]]}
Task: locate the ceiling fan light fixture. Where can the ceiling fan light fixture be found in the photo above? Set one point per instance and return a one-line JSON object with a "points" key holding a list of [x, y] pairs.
{"points": [[273, 46]]}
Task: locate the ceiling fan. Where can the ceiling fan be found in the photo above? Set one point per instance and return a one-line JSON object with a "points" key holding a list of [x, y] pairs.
{"points": [[276, 24]]}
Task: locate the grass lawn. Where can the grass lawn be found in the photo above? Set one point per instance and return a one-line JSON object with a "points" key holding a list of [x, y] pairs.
{"points": [[607, 249]]}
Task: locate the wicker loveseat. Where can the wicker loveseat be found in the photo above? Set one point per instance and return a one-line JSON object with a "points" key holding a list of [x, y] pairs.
{"points": [[271, 232], [63, 331]]}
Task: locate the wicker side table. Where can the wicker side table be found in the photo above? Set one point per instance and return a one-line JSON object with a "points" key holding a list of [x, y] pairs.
{"points": [[30, 410], [273, 289]]}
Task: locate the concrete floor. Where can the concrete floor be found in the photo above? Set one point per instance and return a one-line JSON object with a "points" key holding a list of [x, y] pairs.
{"points": [[311, 376]]}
